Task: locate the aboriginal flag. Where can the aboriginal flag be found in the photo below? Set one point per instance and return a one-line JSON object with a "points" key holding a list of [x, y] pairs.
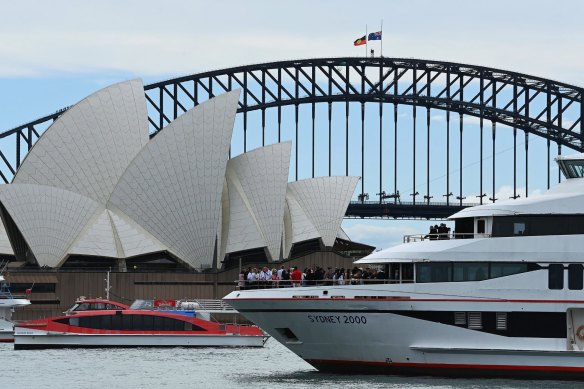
{"points": [[360, 41]]}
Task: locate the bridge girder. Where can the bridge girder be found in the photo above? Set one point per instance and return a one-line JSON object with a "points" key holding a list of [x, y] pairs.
{"points": [[545, 108]]}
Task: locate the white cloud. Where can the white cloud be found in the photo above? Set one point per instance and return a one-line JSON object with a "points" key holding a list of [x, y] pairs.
{"points": [[39, 38], [505, 192], [381, 234]]}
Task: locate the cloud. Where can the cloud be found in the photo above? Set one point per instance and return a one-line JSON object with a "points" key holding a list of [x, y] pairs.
{"points": [[505, 192], [148, 37], [380, 234]]}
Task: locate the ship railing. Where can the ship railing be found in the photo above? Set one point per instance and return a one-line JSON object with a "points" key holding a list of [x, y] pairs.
{"points": [[207, 305], [444, 236], [214, 306], [247, 285]]}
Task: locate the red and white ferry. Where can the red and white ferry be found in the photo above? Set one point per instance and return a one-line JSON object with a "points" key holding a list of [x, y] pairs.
{"points": [[146, 323]]}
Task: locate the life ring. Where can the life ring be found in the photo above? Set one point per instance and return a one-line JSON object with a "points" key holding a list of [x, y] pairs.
{"points": [[580, 332]]}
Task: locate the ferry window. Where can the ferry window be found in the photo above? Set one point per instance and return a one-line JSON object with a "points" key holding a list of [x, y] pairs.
{"points": [[116, 322], [90, 322], [127, 322], [575, 276], [106, 322], [507, 269], [556, 276], [148, 323], [434, 272], [480, 226], [158, 323], [82, 307], [518, 228], [470, 271]]}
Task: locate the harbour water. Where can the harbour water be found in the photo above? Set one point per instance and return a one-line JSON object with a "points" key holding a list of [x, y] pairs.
{"points": [[271, 367]]}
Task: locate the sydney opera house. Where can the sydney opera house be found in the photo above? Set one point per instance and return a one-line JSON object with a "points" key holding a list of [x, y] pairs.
{"points": [[97, 190]]}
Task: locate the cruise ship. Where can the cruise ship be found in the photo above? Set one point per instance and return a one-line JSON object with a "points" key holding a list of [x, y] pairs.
{"points": [[502, 295]]}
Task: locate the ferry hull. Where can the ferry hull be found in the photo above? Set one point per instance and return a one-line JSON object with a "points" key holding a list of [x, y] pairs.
{"points": [[45, 340]]}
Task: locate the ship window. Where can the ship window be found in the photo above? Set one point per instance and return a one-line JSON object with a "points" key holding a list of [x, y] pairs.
{"points": [[501, 319], [556, 276], [575, 276], [475, 320], [470, 271], [82, 307], [480, 226], [460, 318], [74, 321], [502, 269], [518, 228], [434, 272]]}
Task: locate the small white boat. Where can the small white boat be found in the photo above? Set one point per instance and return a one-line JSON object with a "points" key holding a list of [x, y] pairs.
{"points": [[8, 302]]}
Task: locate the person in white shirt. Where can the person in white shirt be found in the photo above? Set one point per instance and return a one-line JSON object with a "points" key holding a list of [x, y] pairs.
{"points": [[252, 278]]}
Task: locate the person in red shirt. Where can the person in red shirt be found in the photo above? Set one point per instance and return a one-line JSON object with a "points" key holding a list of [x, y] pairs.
{"points": [[296, 276]]}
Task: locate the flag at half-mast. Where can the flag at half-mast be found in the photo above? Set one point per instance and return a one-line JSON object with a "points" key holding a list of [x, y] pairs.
{"points": [[360, 41], [375, 36]]}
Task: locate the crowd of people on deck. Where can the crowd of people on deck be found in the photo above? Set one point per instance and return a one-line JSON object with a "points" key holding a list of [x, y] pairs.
{"points": [[254, 278], [438, 232]]}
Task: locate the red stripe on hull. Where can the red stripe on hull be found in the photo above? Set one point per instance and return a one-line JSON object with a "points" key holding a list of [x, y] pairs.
{"points": [[448, 370], [410, 299]]}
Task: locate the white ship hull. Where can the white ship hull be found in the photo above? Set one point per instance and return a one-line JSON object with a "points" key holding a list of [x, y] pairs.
{"points": [[25, 338], [394, 332]]}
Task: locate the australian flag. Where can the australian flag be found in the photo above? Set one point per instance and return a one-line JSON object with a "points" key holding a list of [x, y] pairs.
{"points": [[374, 36]]}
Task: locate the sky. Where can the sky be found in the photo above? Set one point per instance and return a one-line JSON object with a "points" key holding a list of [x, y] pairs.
{"points": [[52, 54]]}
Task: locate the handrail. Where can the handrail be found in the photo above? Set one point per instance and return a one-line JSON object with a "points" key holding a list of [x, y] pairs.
{"points": [[269, 284], [444, 236]]}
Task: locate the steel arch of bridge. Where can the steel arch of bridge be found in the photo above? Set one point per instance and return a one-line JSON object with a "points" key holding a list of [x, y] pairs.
{"points": [[542, 107]]}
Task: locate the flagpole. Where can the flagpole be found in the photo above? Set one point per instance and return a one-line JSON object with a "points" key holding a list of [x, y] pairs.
{"points": [[366, 42], [382, 37]]}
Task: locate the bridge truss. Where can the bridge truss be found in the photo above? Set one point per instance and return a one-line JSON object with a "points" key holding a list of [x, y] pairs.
{"points": [[527, 105]]}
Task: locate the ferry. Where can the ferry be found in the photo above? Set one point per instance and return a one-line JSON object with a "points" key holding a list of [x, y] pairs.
{"points": [[502, 295], [146, 323], [8, 302]]}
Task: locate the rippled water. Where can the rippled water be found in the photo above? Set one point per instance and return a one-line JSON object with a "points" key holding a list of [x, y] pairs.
{"points": [[271, 367]]}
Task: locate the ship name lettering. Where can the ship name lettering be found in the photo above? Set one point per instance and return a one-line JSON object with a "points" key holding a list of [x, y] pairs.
{"points": [[334, 319]]}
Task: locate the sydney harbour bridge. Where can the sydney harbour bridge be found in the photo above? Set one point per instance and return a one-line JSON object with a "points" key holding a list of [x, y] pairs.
{"points": [[427, 137]]}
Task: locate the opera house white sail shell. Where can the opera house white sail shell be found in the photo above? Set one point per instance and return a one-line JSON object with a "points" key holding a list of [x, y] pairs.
{"points": [[95, 184]]}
